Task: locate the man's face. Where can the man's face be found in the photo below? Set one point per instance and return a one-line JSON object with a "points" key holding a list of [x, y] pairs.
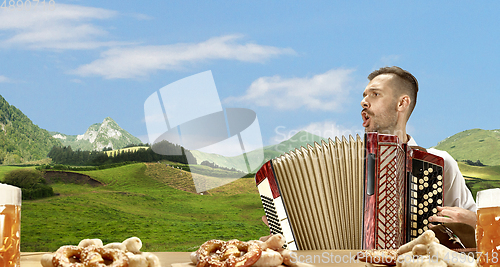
{"points": [[379, 105]]}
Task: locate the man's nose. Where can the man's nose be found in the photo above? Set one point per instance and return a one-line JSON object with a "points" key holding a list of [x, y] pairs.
{"points": [[364, 103]]}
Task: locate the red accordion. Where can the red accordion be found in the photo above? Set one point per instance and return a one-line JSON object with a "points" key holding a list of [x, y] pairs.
{"points": [[350, 194]]}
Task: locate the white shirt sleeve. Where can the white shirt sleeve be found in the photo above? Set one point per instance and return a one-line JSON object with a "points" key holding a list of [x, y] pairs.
{"points": [[456, 193]]}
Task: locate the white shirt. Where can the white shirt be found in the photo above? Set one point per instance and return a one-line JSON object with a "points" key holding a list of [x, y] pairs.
{"points": [[456, 193]]}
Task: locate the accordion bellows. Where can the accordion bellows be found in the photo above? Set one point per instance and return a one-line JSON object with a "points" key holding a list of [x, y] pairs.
{"points": [[330, 191], [347, 194]]}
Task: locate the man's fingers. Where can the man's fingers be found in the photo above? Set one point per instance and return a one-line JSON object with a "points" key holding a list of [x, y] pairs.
{"points": [[440, 219]]}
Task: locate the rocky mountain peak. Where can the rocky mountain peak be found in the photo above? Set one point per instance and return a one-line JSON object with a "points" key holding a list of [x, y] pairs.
{"points": [[98, 136]]}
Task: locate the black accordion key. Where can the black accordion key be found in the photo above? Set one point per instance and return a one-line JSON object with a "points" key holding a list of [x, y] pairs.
{"points": [[426, 194], [271, 215]]}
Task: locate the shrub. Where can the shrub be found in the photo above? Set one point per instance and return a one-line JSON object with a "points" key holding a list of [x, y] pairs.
{"points": [[32, 183]]}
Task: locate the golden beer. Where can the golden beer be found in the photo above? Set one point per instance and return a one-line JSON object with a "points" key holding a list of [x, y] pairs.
{"points": [[488, 228], [10, 234]]}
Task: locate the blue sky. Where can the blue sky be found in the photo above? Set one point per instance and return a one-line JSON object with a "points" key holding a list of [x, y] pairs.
{"points": [[298, 65]]}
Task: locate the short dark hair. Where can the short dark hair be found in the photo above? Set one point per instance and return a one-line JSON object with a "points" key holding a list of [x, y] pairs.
{"points": [[409, 86]]}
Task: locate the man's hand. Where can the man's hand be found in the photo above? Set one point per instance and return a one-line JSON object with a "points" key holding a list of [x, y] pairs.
{"points": [[454, 215], [264, 219]]}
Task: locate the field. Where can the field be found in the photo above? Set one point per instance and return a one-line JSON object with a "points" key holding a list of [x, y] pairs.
{"points": [[135, 204], [158, 204], [480, 178]]}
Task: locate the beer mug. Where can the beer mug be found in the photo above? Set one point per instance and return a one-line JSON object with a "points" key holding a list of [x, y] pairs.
{"points": [[488, 227], [10, 225]]}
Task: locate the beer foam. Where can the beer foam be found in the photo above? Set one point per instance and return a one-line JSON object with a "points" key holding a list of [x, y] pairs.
{"points": [[10, 195], [488, 198]]}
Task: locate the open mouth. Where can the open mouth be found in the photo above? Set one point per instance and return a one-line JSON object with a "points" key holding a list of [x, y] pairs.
{"points": [[366, 118]]}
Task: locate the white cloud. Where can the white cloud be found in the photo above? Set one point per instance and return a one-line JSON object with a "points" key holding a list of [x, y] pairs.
{"points": [[326, 91], [137, 61], [4, 79], [326, 129], [65, 27]]}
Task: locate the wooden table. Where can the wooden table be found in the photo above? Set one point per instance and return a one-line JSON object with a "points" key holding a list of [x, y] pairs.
{"points": [[181, 259]]}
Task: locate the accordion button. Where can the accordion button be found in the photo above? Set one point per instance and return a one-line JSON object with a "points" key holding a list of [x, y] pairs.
{"points": [[430, 170]]}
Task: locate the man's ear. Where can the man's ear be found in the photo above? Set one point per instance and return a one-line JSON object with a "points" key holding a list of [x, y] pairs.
{"points": [[404, 103]]}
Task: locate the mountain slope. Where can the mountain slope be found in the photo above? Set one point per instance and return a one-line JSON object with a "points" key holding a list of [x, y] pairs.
{"points": [[99, 136], [474, 144], [21, 140]]}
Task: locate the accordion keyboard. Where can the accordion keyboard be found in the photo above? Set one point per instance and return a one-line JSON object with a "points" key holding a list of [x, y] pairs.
{"points": [[271, 215], [426, 194]]}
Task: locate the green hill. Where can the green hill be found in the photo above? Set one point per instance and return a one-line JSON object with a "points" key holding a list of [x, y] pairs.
{"points": [[475, 144], [20, 140]]}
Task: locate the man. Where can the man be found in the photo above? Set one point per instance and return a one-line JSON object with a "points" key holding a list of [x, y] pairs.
{"points": [[388, 101]]}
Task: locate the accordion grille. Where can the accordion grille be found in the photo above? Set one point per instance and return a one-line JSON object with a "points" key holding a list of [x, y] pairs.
{"points": [[330, 175]]}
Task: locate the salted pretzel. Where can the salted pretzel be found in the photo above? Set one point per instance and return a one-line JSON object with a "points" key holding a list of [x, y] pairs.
{"points": [[104, 257], [90, 256], [68, 256], [218, 253]]}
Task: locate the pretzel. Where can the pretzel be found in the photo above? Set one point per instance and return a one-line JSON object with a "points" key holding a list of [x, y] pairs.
{"points": [[136, 260], [68, 256], [90, 242], [133, 244], [46, 260], [152, 259], [217, 253], [426, 238], [425, 251], [408, 260], [99, 256], [446, 254], [268, 258], [116, 245], [378, 256]]}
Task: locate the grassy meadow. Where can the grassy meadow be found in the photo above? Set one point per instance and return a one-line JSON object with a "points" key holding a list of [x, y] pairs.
{"points": [[138, 201], [479, 178]]}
